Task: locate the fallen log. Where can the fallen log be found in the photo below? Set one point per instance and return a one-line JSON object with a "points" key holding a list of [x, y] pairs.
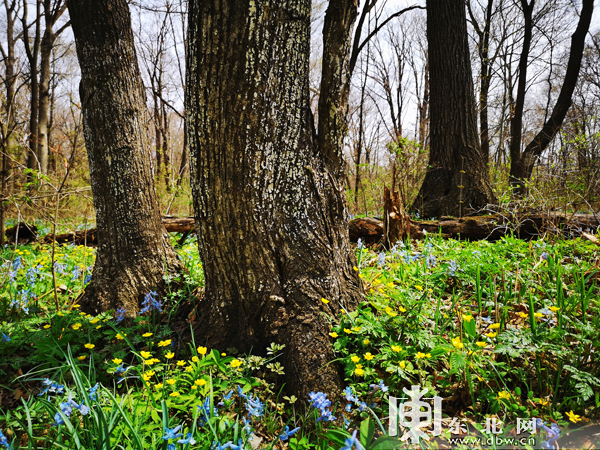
{"points": [[81, 237], [370, 230], [23, 233]]}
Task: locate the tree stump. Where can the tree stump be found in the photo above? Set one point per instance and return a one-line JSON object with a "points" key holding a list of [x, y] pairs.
{"points": [[396, 223]]}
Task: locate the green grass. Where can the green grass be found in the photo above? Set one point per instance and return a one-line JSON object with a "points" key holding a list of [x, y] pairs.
{"points": [[506, 330]]}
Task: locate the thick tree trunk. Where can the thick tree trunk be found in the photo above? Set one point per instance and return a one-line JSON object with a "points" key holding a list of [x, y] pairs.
{"points": [[269, 212], [134, 252], [456, 178]]}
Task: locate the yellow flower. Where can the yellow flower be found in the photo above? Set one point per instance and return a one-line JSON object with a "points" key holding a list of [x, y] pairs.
{"points": [[494, 326], [354, 359], [94, 321], [59, 314], [573, 417], [366, 342], [181, 363], [427, 355], [76, 326], [356, 329], [149, 362], [347, 331], [194, 387], [189, 369], [457, 343], [396, 348], [202, 350], [158, 386], [503, 394], [355, 268], [420, 355], [324, 300], [147, 375], [120, 336], [171, 381], [523, 315], [491, 335], [389, 312], [81, 358], [98, 327], [117, 361], [75, 306], [200, 382], [223, 354], [169, 355], [401, 309], [368, 356], [47, 326], [544, 402], [537, 315], [333, 334], [147, 334], [553, 308], [402, 365], [236, 363], [418, 288], [174, 394], [468, 317], [145, 354], [82, 314], [89, 346], [164, 343], [195, 359], [481, 344], [358, 371]]}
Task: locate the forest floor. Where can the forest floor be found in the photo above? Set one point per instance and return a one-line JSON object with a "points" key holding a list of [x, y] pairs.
{"points": [[504, 333]]}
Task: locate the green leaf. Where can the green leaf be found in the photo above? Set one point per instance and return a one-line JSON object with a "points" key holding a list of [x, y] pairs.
{"points": [[337, 436], [385, 443], [367, 430]]}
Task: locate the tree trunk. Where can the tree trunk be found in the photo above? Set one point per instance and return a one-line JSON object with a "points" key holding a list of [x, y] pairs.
{"points": [[8, 128], [456, 177], [32, 50], [522, 164], [134, 252], [44, 97], [516, 124], [271, 217]]}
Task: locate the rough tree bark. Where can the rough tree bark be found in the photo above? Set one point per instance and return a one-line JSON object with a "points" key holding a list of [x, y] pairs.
{"points": [[456, 178], [134, 252], [271, 217], [522, 163]]}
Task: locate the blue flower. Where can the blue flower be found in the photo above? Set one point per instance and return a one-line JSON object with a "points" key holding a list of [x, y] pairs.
{"points": [[452, 268], [5, 338], [150, 303], [320, 401], [120, 314], [352, 441], [172, 433], [287, 433], [381, 259], [381, 387], [3, 440], [187, 440], [92, 392], [254, 406]]}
